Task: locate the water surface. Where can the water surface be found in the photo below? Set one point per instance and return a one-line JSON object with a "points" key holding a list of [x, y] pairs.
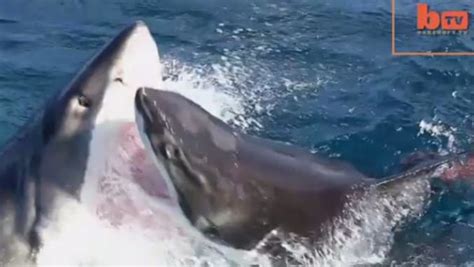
{"points": [[318, 74]]}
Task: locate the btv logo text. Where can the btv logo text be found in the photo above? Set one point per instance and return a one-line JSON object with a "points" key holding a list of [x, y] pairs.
{"points": [[447, 20]]}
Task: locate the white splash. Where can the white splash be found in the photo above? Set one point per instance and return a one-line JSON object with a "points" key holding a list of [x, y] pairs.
{"points": [[364, 233], [85, 240], [209, 87], [440, 130]]}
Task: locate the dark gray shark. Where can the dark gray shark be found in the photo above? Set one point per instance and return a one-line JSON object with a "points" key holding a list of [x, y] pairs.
{"points": [[237, 188]]}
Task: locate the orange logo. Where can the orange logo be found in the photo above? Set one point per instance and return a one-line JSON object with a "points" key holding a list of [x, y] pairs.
{"points": [[433, 22], [447, 20]]}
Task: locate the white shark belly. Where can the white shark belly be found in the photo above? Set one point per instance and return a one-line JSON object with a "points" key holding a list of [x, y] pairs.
{"points": [[124, 214]]}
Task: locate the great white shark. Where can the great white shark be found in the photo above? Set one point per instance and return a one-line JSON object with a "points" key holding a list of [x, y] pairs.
{"points": [[238, 189], [82, 149]]}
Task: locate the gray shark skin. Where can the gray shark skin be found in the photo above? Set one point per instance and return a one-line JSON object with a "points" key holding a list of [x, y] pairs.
{"points": [[237, 188], [47, 162], [234, 187]]}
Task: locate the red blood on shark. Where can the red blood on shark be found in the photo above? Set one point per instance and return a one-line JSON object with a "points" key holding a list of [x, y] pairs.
{"points": [[460, 169], [141, 166], [131, 191]]}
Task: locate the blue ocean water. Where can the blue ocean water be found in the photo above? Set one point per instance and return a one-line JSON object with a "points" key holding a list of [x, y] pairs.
{"points": [[319, 74]]}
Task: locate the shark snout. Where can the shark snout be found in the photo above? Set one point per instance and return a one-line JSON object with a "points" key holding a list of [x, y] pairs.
{"points": [[139, 62], [139, 100], [143, 106], [148, 115]]}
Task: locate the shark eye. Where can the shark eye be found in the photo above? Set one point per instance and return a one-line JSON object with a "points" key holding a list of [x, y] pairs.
{"points": [[84, 101], [118, 79], [170, 151], [211, 230], [166, 151]]}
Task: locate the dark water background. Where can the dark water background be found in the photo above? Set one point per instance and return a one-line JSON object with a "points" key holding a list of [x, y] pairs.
{"points": [[320, 71]]}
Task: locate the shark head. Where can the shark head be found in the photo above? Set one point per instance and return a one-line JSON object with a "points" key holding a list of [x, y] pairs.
{"points": [[83, 122], [104, 88], [197, 154]]}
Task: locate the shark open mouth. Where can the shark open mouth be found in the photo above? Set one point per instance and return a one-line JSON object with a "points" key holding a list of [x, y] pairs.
{"points": [[131, 190]]}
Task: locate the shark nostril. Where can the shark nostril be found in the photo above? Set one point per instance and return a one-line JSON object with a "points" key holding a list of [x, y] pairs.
{"points": [[170, 152], [177, 153]]}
